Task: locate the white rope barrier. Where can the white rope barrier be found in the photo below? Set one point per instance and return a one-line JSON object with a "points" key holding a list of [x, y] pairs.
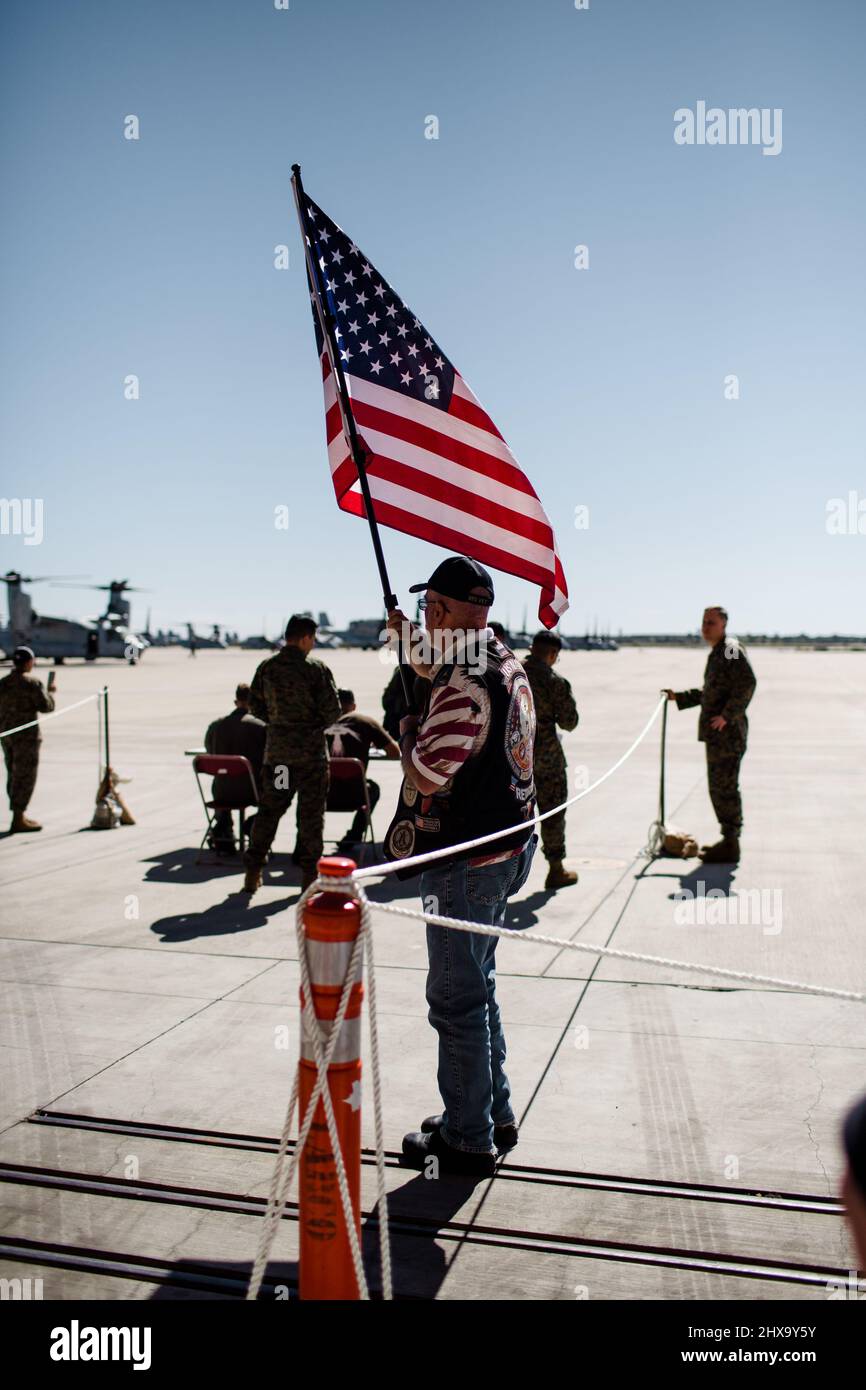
{"points": [[353, 885], [449, 851], [282, 1176], [55, 714], [539, 938]]}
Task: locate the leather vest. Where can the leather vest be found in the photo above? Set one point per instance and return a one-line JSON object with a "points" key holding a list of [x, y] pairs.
{"points": [[493, 790]]}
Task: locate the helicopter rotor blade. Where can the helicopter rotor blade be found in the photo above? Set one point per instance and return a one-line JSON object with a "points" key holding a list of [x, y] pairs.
{"points": [[121, 585], [41, 578]]}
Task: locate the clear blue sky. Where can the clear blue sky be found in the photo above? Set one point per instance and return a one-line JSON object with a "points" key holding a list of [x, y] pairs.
{"points": [[155, 257]]}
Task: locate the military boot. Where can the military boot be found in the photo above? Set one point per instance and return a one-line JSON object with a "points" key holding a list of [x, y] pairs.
{"points": [[252, 881], [558, 876], [726, 851], [504, 1136], [20, 824]]}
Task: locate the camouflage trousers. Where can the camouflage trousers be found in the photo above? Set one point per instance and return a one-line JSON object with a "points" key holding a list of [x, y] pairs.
{"points": [[723, 776], [22, 765], [310, 781], [551, 787]]}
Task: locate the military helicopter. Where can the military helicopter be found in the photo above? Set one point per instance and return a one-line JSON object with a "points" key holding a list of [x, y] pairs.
{"points": [[59, 638], [198, 643]]}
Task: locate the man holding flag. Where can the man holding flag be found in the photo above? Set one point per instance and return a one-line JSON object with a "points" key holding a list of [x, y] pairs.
{"points": [[467, 768]]}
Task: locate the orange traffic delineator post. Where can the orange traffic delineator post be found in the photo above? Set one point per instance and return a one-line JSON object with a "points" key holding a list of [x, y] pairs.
{"points": [[332, 921]]}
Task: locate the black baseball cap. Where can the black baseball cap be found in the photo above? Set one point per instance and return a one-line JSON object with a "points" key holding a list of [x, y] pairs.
{"points": [[456, 577], [22, 655], [854, 1136]]}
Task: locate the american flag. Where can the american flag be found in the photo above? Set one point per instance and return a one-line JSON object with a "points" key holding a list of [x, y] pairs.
{"points": [[437, 466]]}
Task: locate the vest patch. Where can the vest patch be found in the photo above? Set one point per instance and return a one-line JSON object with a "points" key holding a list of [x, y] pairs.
{"points": [[401, 840], [492, 791], [518, 728]]}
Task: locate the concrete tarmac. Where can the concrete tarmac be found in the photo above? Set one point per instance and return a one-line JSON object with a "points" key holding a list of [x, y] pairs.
{"points": [[679, 1134]]}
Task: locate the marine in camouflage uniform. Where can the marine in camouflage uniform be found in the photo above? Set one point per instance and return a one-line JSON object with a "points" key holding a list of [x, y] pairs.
{"points": [[296, 697], [723, 727], [22, 698], [554, 706]]}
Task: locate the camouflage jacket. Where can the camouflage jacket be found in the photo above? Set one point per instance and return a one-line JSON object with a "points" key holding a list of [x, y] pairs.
{"points": [[554, 703], [296, 697], [21, 699], [729, 684]]}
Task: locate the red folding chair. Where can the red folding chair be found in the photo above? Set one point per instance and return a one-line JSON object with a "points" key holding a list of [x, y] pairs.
{"points": [[239, 770], [347, 791]]}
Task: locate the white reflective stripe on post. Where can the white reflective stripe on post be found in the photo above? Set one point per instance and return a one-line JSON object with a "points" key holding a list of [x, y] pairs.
{"points": [[328, 961], [348, 1046]]}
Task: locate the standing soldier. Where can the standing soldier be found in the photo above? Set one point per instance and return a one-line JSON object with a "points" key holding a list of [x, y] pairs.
{"points": [[729, 684], [22, 698], [554, 705], [296, 697]]}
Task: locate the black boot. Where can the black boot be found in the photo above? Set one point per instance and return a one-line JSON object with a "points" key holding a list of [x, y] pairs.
{"points": [[726, 851], [504, 1136], [418, 1148]]}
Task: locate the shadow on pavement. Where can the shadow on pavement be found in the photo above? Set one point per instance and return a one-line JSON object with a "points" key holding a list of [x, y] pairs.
{"points": [[392, 889], [182, 866], [718, 878], [197, 1279], [417, 1213], [236, 913], [523, 912]]}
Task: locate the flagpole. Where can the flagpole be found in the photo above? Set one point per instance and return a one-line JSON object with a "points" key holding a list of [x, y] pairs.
{"points": [[328, 327]]}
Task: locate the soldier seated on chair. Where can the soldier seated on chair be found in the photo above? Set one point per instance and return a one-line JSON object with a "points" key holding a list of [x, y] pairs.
{"points": [[239, 733], [352, 736]]}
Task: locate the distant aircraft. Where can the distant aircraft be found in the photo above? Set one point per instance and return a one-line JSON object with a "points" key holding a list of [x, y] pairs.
{"points": [[361, 632], [192, 638], [58, 638], [591, 644]]}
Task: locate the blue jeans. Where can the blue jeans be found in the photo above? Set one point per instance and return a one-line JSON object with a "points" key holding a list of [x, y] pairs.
{"points": [[461, 993]]}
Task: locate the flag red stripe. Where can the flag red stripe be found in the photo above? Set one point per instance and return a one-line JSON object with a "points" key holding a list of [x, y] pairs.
{"points": [[389, 422], [444, 536], [469, 409], [473, 503]]}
